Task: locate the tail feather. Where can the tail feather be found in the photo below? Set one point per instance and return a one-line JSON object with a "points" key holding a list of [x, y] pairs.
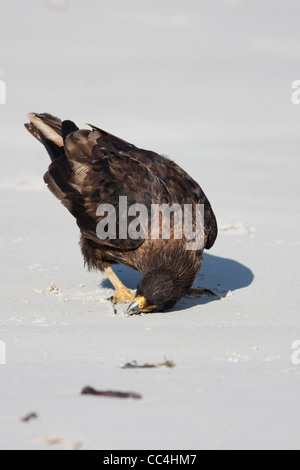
{"points": [[47, 129], [49, 126]]}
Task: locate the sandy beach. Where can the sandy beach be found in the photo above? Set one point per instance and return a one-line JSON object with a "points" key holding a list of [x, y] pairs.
{"points": [[208, 84]]}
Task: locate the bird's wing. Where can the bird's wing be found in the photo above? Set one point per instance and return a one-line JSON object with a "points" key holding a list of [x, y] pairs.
{"points": [[182, 188], [90, 175], [90, 168]]}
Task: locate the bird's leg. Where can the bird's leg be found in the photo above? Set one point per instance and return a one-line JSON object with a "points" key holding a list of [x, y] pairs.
{"points": [[122, 293]]}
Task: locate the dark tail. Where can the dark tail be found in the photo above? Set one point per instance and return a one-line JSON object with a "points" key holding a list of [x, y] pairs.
{"points": [[51, 132]]}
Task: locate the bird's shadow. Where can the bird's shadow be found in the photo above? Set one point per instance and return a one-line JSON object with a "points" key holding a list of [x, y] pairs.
{"points": [[220, 275], [217, 274]]}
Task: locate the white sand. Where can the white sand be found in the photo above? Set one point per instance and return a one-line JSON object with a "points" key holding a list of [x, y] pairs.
{"points": [[208, 83]]}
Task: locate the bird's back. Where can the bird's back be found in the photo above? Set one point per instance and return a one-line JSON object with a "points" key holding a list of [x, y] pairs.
{"points": [[92, 167]]}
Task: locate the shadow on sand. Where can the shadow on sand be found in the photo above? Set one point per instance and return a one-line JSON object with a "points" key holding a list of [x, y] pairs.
{"points": [[220, 275]]}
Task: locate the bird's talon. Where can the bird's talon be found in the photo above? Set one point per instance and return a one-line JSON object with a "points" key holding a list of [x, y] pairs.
{"points": [[122, 295]]}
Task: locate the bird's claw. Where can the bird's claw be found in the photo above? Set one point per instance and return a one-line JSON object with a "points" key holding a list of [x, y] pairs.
{"points": [[122, 295]]}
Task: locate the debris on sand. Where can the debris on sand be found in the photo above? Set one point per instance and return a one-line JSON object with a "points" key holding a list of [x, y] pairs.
{"points": [[109, 393], [52, 289], [146, 365], [50, 440], [29, 417]]}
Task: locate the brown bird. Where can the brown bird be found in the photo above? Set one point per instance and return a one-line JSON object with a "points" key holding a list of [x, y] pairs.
{"points": [[93, 172]]}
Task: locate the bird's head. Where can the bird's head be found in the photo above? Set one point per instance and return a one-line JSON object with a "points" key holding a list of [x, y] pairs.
{"points": [[155, 293]]}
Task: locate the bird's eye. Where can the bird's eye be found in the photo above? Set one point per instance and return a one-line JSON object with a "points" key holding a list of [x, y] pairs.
{"points": [[141, 301]]}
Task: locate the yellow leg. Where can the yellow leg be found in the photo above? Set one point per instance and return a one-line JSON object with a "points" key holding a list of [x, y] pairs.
{"points": [[122, 293], [198, 291], [201, 291]]}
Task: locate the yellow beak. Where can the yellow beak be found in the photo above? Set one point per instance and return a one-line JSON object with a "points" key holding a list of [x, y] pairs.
{"points": [[139, 305]]}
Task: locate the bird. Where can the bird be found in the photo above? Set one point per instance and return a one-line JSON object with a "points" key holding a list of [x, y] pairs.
{"points": [[92, 169]]}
